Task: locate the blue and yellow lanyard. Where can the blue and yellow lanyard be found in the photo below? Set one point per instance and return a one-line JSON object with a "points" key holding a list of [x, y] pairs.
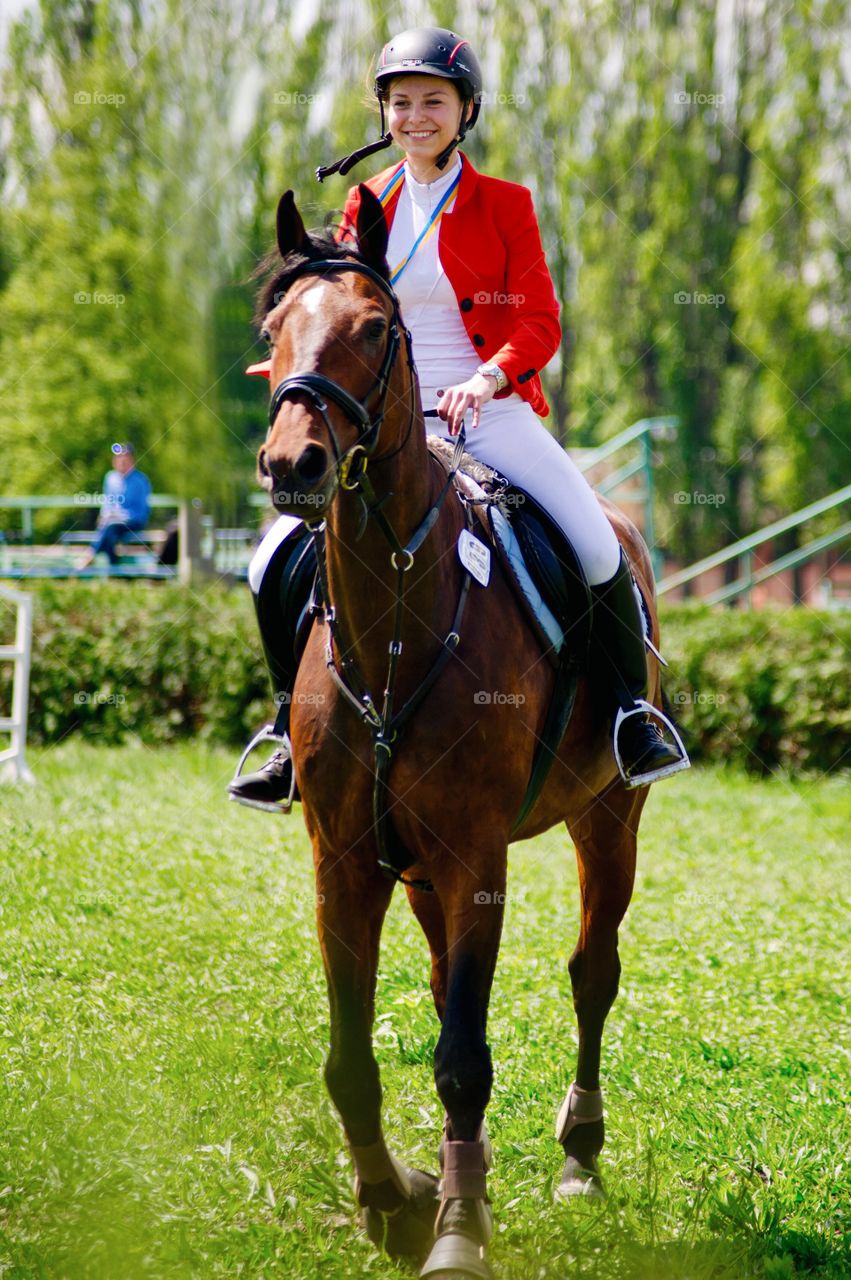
{"points": [[434, 218]]}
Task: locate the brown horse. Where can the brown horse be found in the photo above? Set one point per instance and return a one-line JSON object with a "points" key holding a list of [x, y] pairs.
{"points": [[347, 421]]}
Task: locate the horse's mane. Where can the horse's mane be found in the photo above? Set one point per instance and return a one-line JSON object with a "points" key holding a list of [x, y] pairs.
{"points": [[278, 274]]}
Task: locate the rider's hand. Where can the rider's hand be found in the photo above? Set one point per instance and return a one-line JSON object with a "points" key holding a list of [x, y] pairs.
{"points": [[454, 402]]}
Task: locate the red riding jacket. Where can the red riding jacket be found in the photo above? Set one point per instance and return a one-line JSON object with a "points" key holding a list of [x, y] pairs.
{"points": [[490, 248]]}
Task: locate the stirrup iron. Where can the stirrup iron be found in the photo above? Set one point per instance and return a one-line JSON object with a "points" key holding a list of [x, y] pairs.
{"points": [[267, 734], [642, 707]]}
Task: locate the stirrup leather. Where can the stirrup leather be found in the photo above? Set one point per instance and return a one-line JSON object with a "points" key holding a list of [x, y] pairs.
{"points": [[643, 707], [267, 734]]}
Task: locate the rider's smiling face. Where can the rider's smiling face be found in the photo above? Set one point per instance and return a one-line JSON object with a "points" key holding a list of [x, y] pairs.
{"points": [[424, 114]]}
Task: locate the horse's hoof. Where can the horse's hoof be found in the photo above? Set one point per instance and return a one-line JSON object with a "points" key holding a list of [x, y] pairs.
{"points": [[456, 1257], [409, 1232], [576, 1188], [578, 1183]]}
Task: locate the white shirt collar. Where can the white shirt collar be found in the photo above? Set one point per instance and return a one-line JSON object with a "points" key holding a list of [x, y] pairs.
{"points": [[426, 192]]}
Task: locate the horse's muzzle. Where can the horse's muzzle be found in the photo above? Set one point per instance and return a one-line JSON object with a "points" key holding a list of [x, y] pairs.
{"points": [[303, 487]]}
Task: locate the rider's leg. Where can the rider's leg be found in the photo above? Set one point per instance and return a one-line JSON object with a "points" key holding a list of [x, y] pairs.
{"points": [[521, 449], [619, 657], [279, 575], [517, 444]]}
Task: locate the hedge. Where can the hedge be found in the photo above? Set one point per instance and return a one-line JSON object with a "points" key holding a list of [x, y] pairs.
{"points": [[763, 690], [153, 659]]}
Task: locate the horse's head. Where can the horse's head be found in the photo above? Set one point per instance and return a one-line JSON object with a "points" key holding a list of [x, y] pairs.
{"points": [[334, 335]]}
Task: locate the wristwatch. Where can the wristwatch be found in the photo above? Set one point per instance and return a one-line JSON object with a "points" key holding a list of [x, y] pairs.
{"points": [[494, 371]]}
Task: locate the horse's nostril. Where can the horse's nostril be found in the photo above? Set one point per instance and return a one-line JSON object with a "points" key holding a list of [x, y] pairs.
{"points": [[311, 466], [262, 464]]}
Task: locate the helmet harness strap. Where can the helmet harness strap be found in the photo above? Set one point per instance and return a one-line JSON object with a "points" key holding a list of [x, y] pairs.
{"points": [[426, 49], [441, 161]]}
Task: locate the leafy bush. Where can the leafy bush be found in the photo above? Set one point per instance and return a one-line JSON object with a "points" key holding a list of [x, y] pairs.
{"points": [[114, 659], [763, 689]]}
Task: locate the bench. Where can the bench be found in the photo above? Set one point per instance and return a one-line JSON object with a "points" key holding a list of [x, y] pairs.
{"points": [[150, 540]]}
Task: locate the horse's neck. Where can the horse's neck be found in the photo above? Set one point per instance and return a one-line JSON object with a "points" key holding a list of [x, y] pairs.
{"points": [[361, 578]]}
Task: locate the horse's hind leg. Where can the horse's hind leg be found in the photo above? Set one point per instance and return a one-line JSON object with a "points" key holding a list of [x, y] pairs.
{"points": [[399, 1203], [605, 840]]}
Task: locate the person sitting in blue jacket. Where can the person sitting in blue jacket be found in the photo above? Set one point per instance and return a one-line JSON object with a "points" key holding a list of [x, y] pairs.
{"points": [[126, 504]]}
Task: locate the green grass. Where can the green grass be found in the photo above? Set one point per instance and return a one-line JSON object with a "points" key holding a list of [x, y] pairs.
{"points": [[163, 1022]]}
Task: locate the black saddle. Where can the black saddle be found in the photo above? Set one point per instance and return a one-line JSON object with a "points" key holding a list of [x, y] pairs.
{"points": [[556, 571]]}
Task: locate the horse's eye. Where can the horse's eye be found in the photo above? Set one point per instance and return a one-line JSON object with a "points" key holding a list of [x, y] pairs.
{"points": [[266, 335], [375, 330]]}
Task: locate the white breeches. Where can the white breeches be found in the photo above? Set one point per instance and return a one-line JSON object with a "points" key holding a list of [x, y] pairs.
{"points": [[519, 447]]}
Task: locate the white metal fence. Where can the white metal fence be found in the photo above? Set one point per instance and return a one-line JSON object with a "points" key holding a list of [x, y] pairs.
{"points": [[13, 764]]}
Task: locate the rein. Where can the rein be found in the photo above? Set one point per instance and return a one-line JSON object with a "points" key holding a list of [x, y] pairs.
{"points": [[351, 471]]}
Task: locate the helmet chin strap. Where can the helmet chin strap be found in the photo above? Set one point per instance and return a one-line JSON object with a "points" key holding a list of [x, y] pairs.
{"points": [[348, 162], [443, 158]]}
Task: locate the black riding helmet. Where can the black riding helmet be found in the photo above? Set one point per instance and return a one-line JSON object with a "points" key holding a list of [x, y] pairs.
{"points": [[433, 51]]}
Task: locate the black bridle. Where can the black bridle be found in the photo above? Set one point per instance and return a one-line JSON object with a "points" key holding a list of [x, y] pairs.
{"points": [[351, 474], [351, 464]]}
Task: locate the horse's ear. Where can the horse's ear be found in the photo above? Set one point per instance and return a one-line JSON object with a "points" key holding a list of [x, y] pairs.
{"points": [[372, 230], [291, 233]]}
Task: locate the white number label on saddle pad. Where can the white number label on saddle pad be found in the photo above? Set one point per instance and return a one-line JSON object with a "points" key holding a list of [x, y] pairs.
{"points": [[475, 556]]}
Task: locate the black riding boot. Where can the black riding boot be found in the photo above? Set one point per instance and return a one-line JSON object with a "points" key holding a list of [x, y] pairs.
{"points": [[280, 604], [619, 657]]}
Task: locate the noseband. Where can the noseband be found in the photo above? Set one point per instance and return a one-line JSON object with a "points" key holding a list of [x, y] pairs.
{"points": [[351, 464]]}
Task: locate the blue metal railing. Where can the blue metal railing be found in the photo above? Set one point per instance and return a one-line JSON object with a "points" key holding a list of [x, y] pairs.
{"points": [[745, 547]]}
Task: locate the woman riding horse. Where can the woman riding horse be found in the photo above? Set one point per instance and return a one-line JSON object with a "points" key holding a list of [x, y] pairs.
{"points": [[468, 268], [347, 449]]}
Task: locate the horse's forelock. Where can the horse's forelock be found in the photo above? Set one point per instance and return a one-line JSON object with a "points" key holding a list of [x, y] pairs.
{"points": [[274, 287]]}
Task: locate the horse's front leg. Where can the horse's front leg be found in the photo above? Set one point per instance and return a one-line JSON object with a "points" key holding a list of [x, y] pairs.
{"points": [[399, 1203], [429, 912], [472, 911], [605, 839]]}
